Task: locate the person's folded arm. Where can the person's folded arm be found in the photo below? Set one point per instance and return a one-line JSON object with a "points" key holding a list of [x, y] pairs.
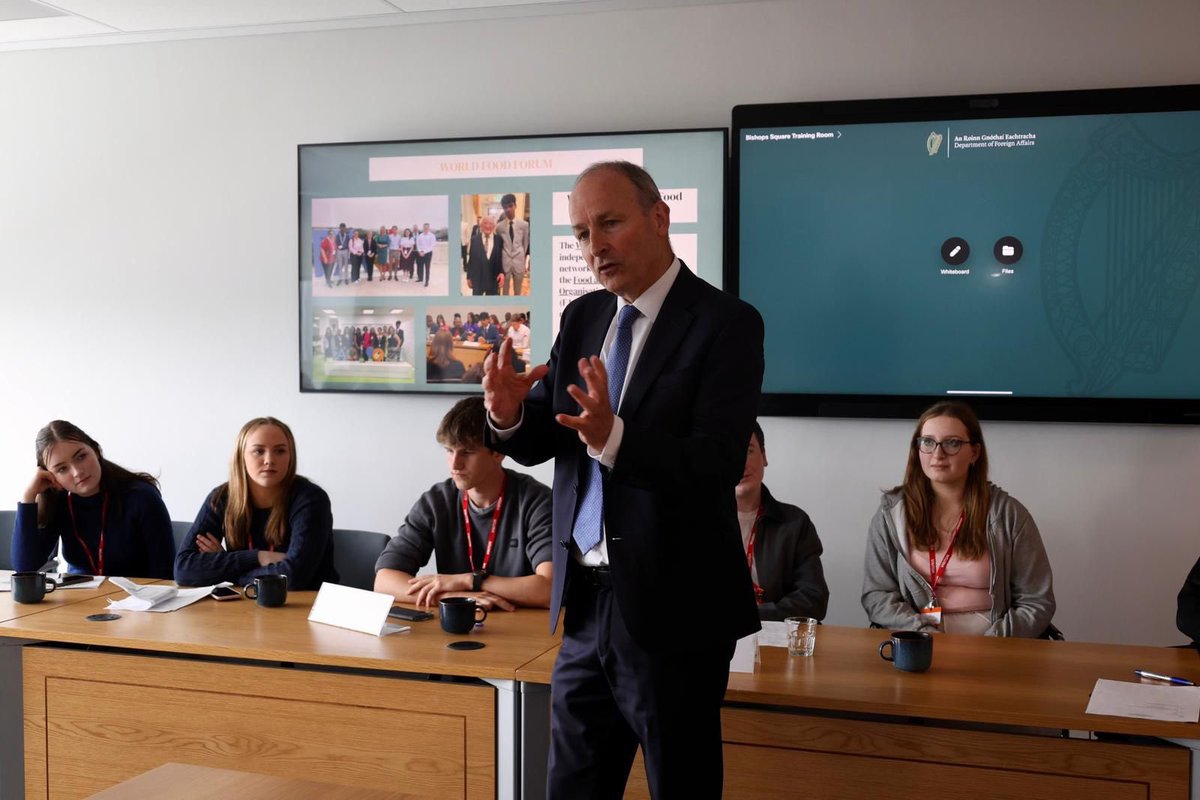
{"points": [[196, 568], [530, 591], [310, 527]]}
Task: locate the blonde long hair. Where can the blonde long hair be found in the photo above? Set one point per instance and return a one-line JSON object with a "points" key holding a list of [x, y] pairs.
{"points": [[239, 511], [918, 490]]}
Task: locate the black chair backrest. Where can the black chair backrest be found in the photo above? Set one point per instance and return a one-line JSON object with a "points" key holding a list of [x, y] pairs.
{"points": [[8, 524], [8, 521], [354, 556], [180, 531]]}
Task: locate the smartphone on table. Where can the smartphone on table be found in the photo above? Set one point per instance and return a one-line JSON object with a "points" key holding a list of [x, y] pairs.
{"points": [[410, 614], [225, 593]]}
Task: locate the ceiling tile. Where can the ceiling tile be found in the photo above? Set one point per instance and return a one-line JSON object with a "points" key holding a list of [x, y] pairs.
{"points": [[30, 30], [25, 9], [140, 15]]}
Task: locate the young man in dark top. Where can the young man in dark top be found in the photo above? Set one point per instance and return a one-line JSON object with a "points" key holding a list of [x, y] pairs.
{"points": [[781, 545], [488, 527]]}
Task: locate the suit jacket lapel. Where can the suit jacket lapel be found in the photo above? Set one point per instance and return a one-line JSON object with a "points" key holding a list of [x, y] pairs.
{"points": [[673, 323], [594, 331]]}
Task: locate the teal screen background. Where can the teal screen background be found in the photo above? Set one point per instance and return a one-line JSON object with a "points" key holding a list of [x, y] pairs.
{"points": [[840, 240]]}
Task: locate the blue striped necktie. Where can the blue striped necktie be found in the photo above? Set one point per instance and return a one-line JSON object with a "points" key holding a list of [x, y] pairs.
{"points": [[589, 517]]}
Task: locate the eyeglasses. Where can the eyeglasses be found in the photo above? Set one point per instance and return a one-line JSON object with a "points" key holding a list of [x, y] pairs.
{"points": [[927, 444]]}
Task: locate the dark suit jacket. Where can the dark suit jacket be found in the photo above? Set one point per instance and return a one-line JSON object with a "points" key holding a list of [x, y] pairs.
{"points": [[481, 270], [678, 569]]}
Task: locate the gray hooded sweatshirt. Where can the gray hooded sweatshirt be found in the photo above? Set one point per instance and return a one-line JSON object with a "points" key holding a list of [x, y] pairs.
{"points": [[1022, 587]]}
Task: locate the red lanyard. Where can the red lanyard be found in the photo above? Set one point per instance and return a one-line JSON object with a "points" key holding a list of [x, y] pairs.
{"points": [[487, 556], [759, 593], [97, 567], [935, 577]]}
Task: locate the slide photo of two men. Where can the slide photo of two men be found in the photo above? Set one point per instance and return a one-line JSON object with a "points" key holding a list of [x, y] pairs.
{"points": [[494, 241]]}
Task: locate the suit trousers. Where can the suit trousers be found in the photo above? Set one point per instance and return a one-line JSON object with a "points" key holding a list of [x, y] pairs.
{"points": [[609, 694]]}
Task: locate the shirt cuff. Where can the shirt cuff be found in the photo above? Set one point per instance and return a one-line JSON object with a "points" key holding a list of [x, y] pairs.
{"points": [[608, 456], [504, 434]]}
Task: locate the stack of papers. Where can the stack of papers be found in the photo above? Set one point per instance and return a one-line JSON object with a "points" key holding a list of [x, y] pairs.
{"points": [[1145, 701], [155, 598]]}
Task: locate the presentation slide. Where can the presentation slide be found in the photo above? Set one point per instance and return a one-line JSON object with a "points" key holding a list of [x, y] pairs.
{"points": [[1039, 257], [418, 258]]}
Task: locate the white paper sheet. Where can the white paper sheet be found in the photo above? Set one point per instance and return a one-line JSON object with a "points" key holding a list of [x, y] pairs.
{"points": [[155, 598], [355, 609], [745, 654], [774, 633], [1145, 701]]}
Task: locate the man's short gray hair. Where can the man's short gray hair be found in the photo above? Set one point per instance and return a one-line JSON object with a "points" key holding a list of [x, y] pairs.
{"points": [[647, 189]]}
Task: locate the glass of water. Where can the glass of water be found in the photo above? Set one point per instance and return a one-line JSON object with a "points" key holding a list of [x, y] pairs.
{"points": [[802, 635]]}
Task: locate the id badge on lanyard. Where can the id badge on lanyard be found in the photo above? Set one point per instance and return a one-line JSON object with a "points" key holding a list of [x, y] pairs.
{"points": [[932, 612]]}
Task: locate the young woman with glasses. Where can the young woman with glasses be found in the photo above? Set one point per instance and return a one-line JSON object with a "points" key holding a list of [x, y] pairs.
{"points": [[949, 551]]}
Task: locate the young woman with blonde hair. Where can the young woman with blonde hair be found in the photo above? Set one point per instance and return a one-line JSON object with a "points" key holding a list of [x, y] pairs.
{"points": [[270, 520]]}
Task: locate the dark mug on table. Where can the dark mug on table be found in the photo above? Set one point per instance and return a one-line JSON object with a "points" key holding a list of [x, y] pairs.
{"points": [[31, 587], [459, 614], [270, 591], [911, 651]]}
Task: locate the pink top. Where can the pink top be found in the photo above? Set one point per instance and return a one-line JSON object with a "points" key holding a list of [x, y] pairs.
{"points": [[966, 584]]}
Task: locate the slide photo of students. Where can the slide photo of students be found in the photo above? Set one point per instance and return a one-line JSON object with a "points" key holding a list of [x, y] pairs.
{"points": [[380, 246], [494, 229], [458, 338], [365, 344]]}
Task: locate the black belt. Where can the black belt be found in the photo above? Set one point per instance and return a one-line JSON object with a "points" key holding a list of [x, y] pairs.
{"points": [[596, 577]]}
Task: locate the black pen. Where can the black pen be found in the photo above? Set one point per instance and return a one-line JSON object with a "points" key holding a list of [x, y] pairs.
{"points": [[1154, 676]]}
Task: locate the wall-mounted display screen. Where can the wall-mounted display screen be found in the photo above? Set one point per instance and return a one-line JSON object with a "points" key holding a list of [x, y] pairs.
{"points": [[417, 258], [1038, 253]]}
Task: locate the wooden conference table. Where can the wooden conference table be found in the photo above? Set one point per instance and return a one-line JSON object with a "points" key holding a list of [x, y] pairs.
{"points": [[984, 722], [235, 686]]}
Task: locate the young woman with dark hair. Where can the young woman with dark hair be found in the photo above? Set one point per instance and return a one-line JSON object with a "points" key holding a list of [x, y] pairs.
{"points": [[270, 520], [110, 521]]}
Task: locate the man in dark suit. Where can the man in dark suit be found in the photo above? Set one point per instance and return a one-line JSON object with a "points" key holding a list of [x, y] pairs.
{"points": [[645, 406], [485, 259]]}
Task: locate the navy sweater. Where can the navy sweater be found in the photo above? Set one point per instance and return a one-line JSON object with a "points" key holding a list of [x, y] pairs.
{"points": [[308, 543], [137, 533]]}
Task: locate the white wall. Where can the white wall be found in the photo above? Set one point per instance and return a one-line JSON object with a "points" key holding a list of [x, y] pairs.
{"points": [[148, 255]]}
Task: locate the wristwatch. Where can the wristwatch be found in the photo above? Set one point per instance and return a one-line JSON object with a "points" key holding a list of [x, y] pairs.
{"points": [[477, 578]]}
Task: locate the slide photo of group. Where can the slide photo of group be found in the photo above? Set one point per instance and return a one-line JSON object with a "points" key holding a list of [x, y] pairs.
{"points": [[494, 240], [380, 246], [458, 338], [371, 345]]}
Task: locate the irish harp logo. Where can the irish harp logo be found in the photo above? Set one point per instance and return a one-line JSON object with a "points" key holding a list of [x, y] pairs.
{"points": [[933, 143], [1117, 306]]}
